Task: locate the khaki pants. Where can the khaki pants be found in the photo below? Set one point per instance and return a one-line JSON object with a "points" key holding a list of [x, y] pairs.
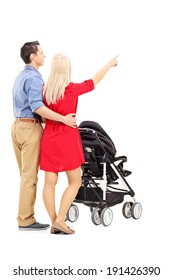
{"points": [[26, 143]]}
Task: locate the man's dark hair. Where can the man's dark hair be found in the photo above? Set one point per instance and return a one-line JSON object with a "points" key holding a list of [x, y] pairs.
{"points": [[27, 49]]}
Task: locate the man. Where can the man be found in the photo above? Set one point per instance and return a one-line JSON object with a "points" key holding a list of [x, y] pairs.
{"points": [[27, 130]]}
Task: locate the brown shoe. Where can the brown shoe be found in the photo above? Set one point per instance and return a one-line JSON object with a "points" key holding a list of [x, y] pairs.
{"points": [[54, 230], [57, 228]]}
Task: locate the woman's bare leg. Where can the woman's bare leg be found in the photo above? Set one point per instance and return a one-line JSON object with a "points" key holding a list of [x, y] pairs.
{"points": [[74, 183], [50, 182]]}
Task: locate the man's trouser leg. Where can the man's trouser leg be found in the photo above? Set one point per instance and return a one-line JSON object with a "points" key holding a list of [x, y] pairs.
{"points": [[26, 142]]}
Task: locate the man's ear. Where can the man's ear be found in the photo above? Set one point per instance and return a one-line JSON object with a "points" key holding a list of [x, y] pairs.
{"points": [[32, 56]]}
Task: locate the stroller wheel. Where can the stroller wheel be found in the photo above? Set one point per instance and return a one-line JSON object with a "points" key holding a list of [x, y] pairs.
{"points": [[73, 213], [95, 216], [106, 216], [127, 209], [136, 210]]}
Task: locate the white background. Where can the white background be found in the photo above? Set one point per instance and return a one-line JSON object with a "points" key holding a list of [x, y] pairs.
{"points": [[133, 104]]}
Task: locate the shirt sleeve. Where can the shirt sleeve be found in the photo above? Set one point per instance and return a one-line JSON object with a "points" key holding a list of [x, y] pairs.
{"points": [[34, 88], [81, 88]]}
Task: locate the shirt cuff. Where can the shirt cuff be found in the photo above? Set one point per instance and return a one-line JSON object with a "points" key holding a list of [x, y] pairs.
{"points": [[35, 105]]}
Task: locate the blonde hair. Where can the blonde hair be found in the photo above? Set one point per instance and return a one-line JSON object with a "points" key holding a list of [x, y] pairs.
{"points": [[59, 78]]}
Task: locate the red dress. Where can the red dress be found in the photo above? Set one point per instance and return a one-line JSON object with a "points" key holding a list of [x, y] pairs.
{"points": [[61, 146]]}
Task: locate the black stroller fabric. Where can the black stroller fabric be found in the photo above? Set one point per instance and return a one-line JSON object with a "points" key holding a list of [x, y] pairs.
{"points": [[102, 150], [98, 149], [103, 136]]}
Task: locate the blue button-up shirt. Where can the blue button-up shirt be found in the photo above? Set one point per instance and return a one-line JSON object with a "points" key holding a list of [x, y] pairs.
{"points": [[27, 93]]}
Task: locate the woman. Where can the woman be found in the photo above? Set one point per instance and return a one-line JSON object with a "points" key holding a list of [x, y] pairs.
{"points": [[61, 147]]}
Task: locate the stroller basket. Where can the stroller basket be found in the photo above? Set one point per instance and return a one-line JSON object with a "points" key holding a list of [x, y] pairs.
{"points": [[93, 197]]}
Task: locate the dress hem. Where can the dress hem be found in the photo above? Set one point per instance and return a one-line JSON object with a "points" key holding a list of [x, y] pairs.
{"points": [[62, 170]]}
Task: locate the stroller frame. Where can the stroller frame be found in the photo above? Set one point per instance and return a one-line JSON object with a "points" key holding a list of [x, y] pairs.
{"points": [[98, 190]]}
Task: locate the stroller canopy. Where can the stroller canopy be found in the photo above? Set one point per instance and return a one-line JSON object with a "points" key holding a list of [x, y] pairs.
{"points": [[104, 139]]}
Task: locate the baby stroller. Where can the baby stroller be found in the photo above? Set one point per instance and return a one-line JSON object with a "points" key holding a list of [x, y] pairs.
{"points": [[101, 174]]}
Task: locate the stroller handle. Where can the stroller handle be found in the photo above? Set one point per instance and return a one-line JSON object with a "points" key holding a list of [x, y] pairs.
{"points": [[89, 130]]}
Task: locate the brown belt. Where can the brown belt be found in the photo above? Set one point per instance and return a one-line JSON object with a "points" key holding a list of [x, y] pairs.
{"points": [[27, 120]]}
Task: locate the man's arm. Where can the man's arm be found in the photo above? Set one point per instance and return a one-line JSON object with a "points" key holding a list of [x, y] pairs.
{"points": [[45, 112], [34, 86]]}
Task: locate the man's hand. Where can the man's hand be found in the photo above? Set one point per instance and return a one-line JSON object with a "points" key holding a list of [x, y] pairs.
{"points": [[70, 120], [45, 112]]}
